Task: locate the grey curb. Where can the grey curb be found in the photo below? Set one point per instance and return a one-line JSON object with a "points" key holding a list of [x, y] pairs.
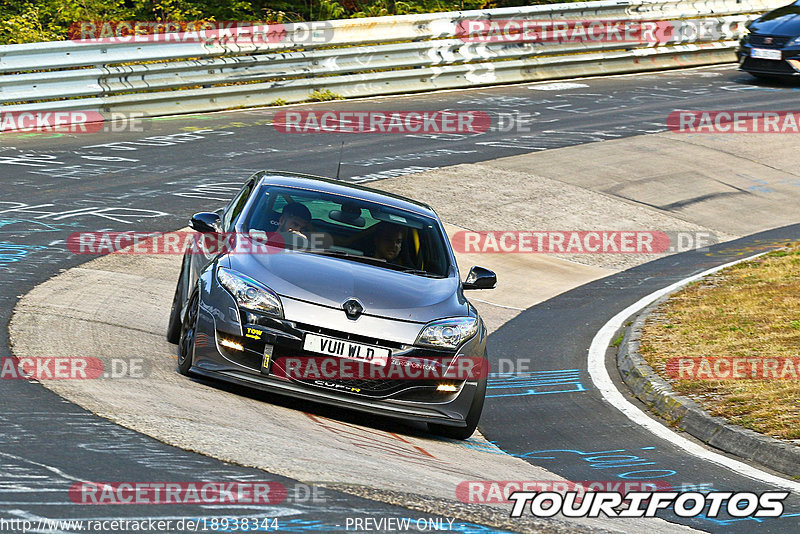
{"points": [[684, 414]]}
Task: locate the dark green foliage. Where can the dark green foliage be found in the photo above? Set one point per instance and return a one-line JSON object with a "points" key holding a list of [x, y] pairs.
{"points": [[24, 21]]}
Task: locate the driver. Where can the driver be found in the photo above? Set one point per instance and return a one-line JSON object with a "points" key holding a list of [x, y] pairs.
{"points": [[295, 218], [295, 225], [295, 228]]}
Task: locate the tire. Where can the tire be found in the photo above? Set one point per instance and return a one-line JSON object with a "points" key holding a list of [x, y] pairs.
{"points": [[474, 415], [174, 325], [187, 336]]}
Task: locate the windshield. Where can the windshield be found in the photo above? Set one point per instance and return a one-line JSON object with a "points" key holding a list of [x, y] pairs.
{"points": [[327, 224]]}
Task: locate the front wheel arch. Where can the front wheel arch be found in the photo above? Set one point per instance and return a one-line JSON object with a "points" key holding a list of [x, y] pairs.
{"points": [[175, 316], [188, 334]]}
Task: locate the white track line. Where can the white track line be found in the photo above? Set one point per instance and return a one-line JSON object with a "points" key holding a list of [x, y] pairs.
{"points": [[600, 377]]}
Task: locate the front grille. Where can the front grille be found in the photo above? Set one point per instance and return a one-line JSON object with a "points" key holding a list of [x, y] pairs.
{"points": [[291, 346], [767, 66], [364, 385], [377, 387], [778, 41]]}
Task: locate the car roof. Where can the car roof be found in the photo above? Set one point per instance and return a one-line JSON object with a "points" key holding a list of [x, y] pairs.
{"points": [[308, 181]]}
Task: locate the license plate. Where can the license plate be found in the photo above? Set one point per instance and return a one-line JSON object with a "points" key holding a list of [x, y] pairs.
{"points": [[765, 53], [346, 349]]}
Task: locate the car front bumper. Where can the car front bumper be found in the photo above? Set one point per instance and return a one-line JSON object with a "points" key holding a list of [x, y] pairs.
{"points": [[788, 65], [412, 399]]}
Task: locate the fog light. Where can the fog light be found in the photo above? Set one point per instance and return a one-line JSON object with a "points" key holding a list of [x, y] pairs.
{"points": [[231, 344], [446, 387]]}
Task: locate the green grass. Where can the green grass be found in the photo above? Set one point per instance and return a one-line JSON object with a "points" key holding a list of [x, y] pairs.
{"points": [[323, 95], [618, 340], [749, 310]]}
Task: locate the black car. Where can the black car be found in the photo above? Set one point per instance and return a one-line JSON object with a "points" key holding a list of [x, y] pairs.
{"points": [[334, 293], [771, 47]]}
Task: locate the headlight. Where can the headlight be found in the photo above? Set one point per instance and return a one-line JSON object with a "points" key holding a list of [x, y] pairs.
{"points": [[795, 41], [448, 333], [249, 294], [745, 36]]}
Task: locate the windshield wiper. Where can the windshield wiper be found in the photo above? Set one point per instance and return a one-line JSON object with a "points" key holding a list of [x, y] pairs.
{"points": [[342, 254], [374, 261], [411, 270]]}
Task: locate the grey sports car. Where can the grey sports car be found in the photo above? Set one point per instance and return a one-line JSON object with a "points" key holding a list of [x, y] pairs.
{"points": [[335, 293]]}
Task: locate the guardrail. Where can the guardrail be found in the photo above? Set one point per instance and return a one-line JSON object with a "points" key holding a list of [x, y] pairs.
{"points": [[256, 66]]}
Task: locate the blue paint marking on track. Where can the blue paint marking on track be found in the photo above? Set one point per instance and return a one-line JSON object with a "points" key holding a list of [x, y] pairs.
{"points": [[14, 252], [483, 446], [38, 225], [534, 383]]}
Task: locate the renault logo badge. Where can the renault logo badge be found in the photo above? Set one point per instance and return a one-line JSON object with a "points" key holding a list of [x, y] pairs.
{"points": [[353, 309]]}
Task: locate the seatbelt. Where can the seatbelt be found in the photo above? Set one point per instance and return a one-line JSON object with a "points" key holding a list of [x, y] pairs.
{"points": [[415, 238]]}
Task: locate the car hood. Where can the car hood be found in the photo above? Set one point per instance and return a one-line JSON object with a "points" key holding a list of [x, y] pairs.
{"points": [[783, 21], [330, 281]]}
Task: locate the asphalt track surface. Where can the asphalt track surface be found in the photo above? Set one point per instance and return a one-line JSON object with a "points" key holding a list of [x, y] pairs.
{"points": [[578, 435], [53, 185]]}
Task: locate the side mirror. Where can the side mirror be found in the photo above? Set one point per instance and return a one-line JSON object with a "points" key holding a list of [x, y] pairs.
{"points": [[480, 278], [205, 222]]}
